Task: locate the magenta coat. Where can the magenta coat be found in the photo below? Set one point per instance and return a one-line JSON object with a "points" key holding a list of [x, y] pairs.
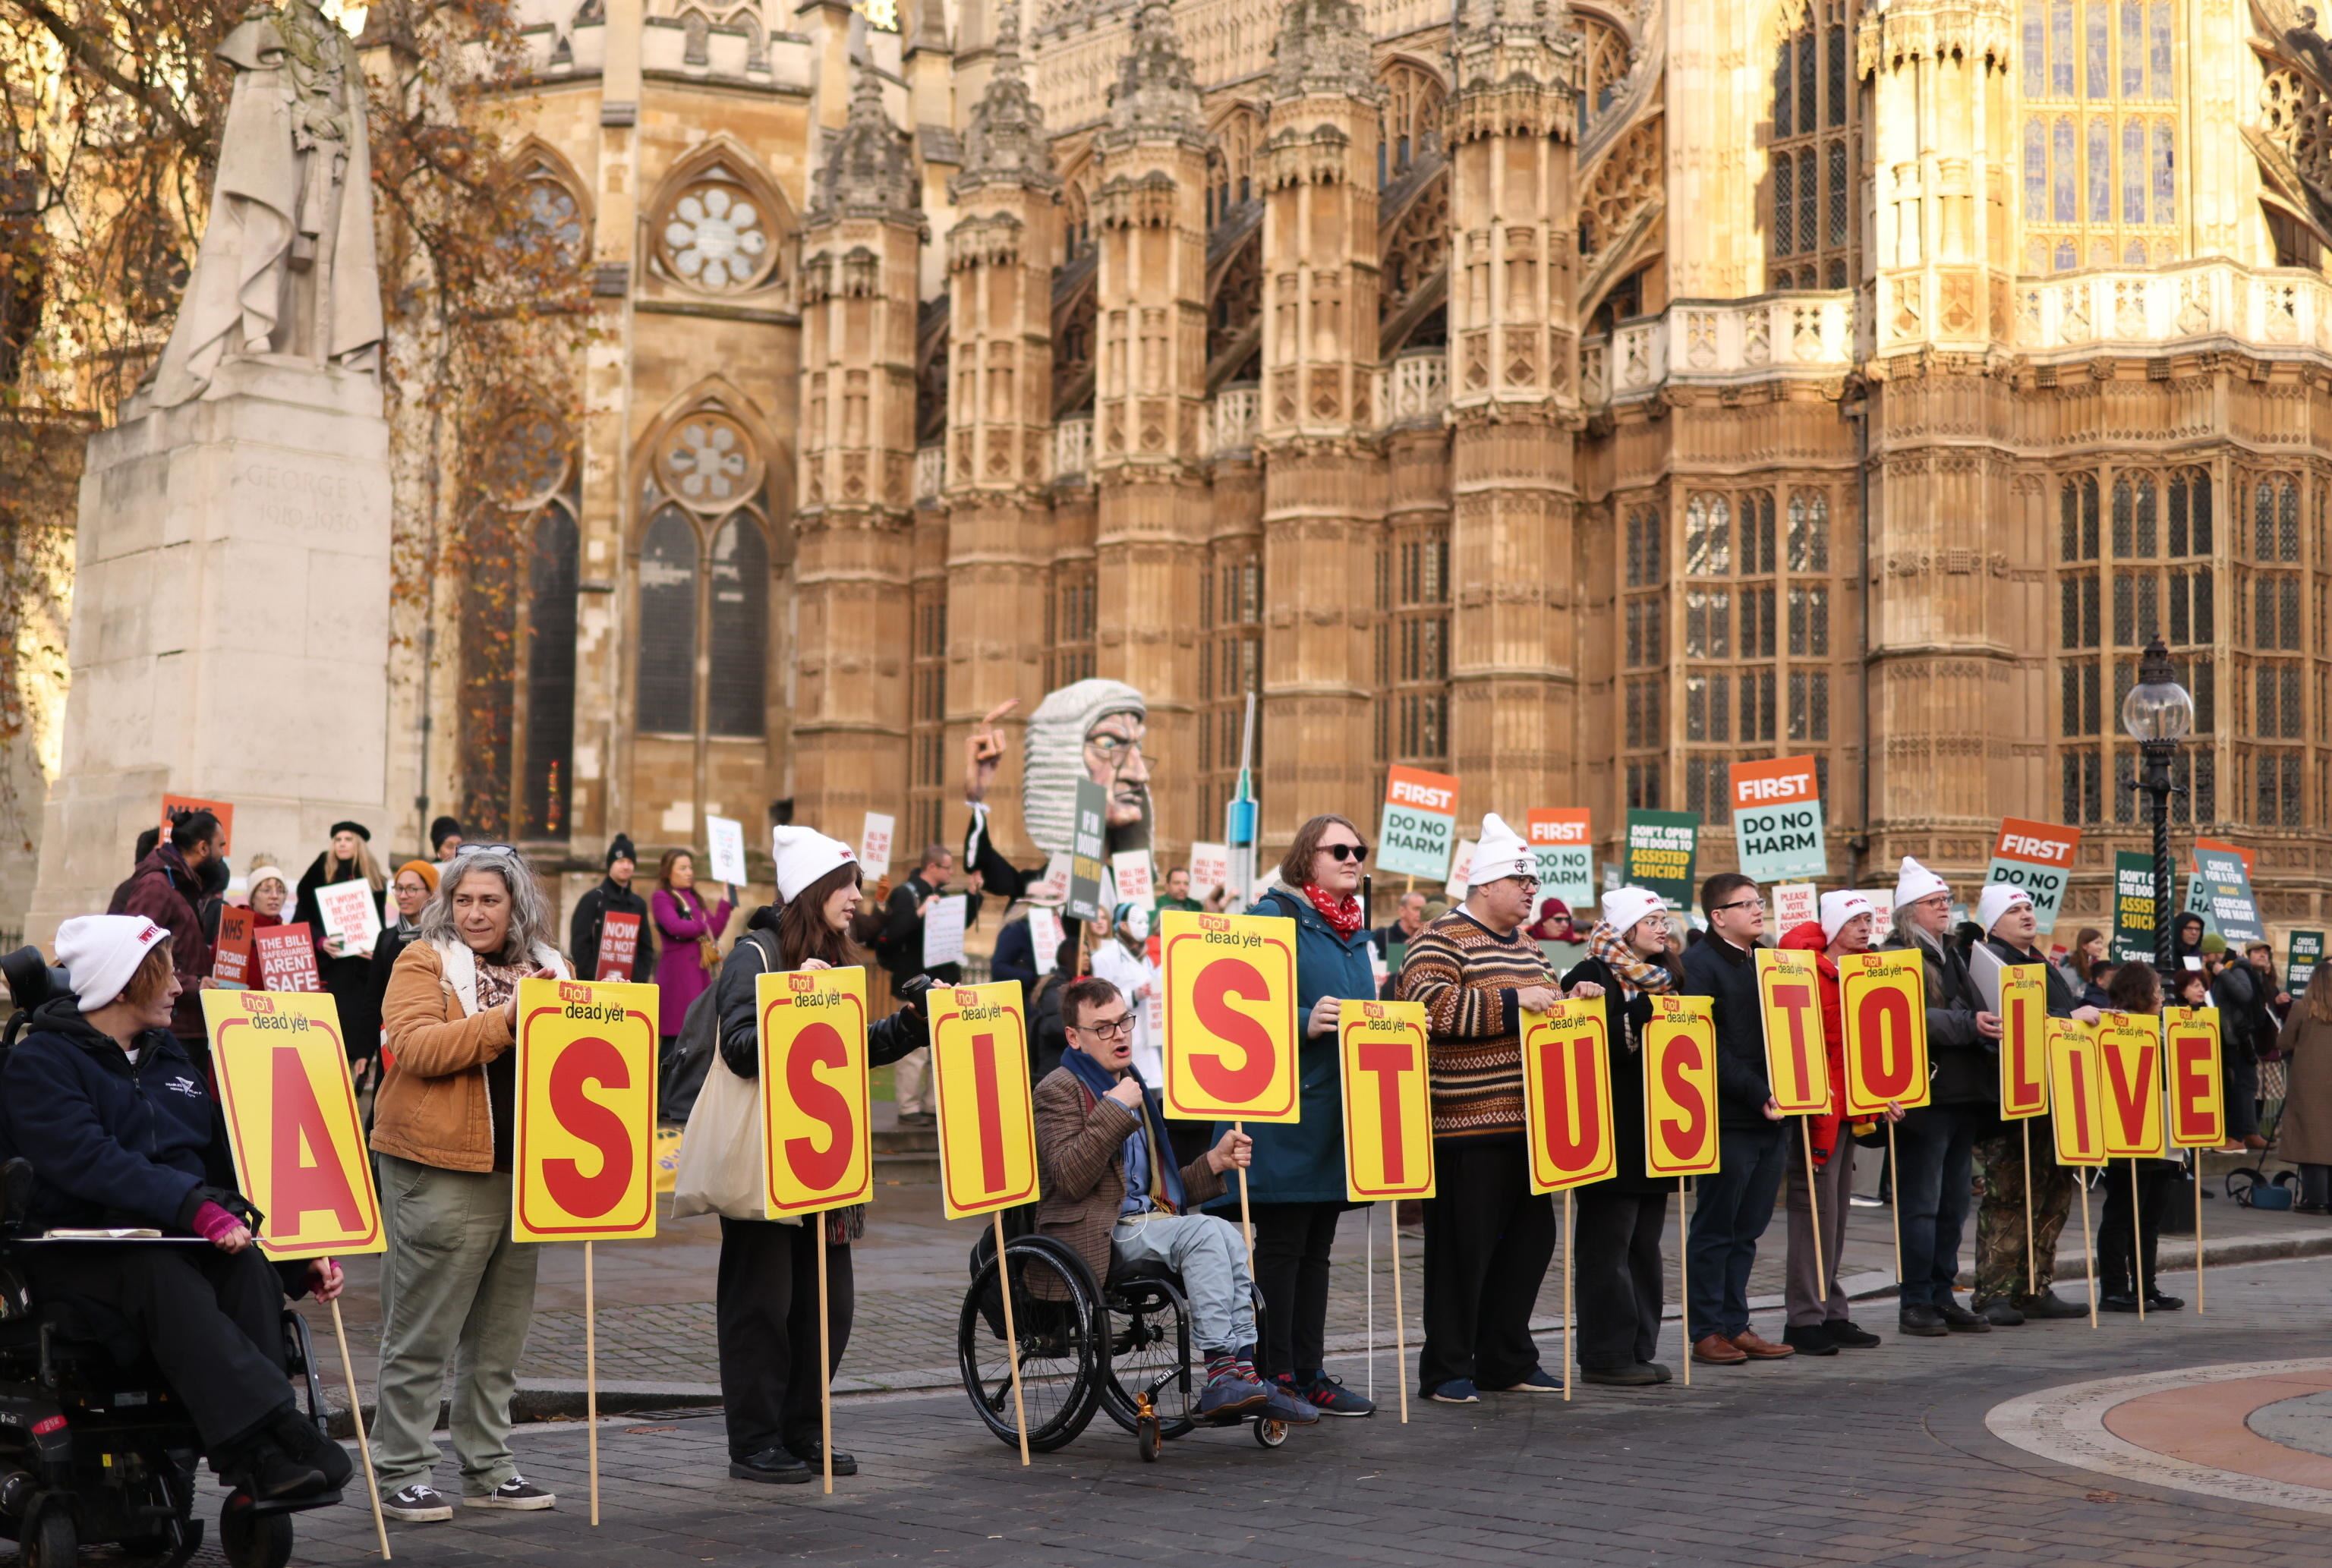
{"points": [[681, 976]]}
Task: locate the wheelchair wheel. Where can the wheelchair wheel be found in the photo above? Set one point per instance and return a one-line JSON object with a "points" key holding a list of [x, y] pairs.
{"points": [[1053, 1319], [1270, 1431], [1145, 1349], [50, 1542], [251, 1539], [1147, 1439]]}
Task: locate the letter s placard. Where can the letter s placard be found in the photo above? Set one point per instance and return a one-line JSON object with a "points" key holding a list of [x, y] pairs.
{"points": [[583, 1140], [292, 1121], [1387, 1101], [1230, 1016], [988, 1124], [1679, 1054], [814, 1119]]}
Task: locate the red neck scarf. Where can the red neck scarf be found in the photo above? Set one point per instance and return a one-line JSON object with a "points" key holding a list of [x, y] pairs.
{"points": [[1345, 916]]}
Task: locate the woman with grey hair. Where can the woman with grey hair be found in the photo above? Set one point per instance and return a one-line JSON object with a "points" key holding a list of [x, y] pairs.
{"points": [[455, 1286]]}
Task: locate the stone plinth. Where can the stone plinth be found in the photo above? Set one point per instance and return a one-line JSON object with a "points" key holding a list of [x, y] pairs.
{"points": [[229, 626]]}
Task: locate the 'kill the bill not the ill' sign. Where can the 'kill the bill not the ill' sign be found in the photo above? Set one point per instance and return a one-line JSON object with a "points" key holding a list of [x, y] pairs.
{"points": [[1883, 1002], [2037, 857], [814, 1090], [1231, 1028], [292, 1120], [988, 1123], [1420, 824], [583, 1138], [1777, 818], [1387, 1101], [1567, 1097], [1660, 848]]}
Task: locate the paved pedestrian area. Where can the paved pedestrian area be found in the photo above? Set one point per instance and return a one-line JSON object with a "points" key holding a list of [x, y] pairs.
{"points": [[1916, 1453]]}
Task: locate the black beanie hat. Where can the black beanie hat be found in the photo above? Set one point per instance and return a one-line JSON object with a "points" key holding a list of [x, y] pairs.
{"points": [[621, 849], [442, 829]]}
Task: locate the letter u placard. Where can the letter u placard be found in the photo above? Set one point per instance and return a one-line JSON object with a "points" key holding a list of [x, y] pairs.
{"points": [[1679, 1054], [583, 1140], [1230, 1016], [1883, 999], [988, 1124], [1567, 1097], [814, 1119], [292, 1121]]}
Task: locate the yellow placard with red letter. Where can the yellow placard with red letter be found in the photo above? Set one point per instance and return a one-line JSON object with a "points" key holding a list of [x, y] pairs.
{"points": [[1387, 1101], [1567, 1097], [291, 1121], [2130, 1057], [1797, 1064], [2076, 1093], [583, 1140], [1230, 1016], [2198, 1100], [2023, 1041], [814, 1119], [1883, 1002], [1680, 1051], [988, 1123]]}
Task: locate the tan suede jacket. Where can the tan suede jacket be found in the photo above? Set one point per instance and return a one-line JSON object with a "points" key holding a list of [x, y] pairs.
{"points": [[432, 1107]]}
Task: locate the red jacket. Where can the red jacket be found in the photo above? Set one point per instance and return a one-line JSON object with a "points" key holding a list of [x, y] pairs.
{"points": [[1822, 1129]]}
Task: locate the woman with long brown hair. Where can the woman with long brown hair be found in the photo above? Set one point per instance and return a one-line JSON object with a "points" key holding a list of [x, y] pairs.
{"points": [[2305, 1136], [2132, 1227], [765, 1301]]}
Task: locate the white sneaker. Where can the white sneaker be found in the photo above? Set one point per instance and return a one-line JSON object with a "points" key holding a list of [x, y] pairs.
{"points": [[419, 1504], [517, 1494]]}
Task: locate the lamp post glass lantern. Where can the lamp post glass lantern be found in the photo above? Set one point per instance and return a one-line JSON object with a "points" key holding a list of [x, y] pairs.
{"points": [[2158, 713]]}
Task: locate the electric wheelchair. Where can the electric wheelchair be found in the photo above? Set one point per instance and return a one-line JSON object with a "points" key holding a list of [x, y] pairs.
{"points": [[1120, 1345], [94, 1449]]}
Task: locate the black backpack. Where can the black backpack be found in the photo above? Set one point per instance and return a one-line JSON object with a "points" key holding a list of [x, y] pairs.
{"points": [[698, 1042]]}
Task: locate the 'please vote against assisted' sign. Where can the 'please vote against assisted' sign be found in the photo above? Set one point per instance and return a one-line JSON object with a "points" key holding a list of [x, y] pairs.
{"points": [[1419, 825], [1777, 820], [2037, 857]]}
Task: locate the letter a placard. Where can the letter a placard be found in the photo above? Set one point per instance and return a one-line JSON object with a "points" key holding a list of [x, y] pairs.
{"points": [[583, 1140], [2129, 1053], [2023, 1042], [1882, 999], [2198, 1101], [1388, 1103], [292, 1121], [1567, 1097], [1679, 1055], [1230, 1016], [813, 1117], [988, 1126], [1789, 990]]}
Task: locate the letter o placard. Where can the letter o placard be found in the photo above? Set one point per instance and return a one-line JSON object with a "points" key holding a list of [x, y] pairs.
{"points": [[1567, 1097], [988, 1124], [291, 1121], [1882, 999], [814, 1119], [1387, 1101], [1680, 1051], [1230, 1016], [583, 1140]]}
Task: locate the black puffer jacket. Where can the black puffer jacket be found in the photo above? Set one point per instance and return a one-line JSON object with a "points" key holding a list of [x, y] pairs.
{"points": [[1962, 1065], [887, 1039]]}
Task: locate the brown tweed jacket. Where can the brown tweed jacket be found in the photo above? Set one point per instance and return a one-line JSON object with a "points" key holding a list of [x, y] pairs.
{"points": [[1080, 1144]]}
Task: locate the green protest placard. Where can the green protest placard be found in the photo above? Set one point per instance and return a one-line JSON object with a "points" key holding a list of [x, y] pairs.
{"points": [[1087, 860], [1777, 818], [1419, 825], [2300, 963], [1660, 850], [2133, 926], [2221, 893]]}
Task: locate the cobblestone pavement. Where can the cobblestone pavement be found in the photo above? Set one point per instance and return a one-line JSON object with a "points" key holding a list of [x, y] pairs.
{"points": [[1874, 1458]]}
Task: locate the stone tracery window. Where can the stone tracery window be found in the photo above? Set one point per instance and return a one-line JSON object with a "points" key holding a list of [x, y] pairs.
{"points": [[704, 581], [1602, 68], [718, 232], [1408, 127], [2099, 134], [1230, 164], [549, 216], [1811, 227]]}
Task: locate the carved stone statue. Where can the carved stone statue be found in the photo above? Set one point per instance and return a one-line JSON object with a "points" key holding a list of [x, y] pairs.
{"points": [[286, 264]]}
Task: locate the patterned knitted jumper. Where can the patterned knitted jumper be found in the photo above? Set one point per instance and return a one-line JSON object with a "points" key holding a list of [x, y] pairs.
{"points": [[1467, 975]]}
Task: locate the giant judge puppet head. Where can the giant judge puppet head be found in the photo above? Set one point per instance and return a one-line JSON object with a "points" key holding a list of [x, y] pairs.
{"points": [[1091, 730]]}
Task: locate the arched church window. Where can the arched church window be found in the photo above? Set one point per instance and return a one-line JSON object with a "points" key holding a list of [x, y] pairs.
{"points": [[1809, 238], [740, 630], [716, 231], [547, 790], [667, 635], [2096, 75]]}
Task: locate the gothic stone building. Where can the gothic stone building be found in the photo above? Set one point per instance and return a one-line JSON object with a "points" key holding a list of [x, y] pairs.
{"points": [[1574, 397]]}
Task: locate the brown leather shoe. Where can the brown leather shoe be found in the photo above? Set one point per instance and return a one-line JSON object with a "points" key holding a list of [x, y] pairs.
{"points": [[1719, 1351], [1754, 1346]]}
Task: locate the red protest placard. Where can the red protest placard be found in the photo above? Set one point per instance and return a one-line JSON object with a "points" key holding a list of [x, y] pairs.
{"points": [[231, 958], [619, 947], [179, 805], [287, 959]]}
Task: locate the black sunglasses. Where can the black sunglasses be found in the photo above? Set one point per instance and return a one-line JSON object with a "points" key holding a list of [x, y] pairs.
{"points": [[1346, 851]]}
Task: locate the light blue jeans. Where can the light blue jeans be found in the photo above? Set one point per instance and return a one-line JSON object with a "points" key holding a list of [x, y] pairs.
{"points": [[1211, 1258]]}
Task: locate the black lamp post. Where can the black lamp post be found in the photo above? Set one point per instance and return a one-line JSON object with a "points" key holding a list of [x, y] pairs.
{"points": [[2158, 714]]}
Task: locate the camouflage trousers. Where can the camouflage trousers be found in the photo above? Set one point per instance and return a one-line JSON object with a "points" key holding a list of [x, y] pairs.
{"points": [[2000, 1244]]}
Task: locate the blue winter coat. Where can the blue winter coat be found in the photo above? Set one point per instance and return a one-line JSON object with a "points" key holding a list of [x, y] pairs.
{"points": [[1303, 1162]]}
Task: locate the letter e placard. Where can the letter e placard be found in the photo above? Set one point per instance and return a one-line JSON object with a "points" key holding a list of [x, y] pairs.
{"points": [[2198, 1101], [813, 1117], [292, 1121], [1230, 1016], [583, 1142]]}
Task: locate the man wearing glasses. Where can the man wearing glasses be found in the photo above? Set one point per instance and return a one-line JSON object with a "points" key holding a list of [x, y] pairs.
{"points": [[1732, 1208], [1109, 1179]]}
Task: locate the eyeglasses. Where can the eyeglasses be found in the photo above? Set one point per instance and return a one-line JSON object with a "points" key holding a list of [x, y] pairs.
{"points": [[1119, 1028], [1739, 903], [500, 851], [1346, 851]]}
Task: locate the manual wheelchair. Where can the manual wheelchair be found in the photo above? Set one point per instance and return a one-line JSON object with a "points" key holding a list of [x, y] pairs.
{"points": [[1120, 1345], [94, 1449]]}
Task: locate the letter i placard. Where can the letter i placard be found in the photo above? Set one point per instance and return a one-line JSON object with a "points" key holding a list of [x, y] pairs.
{"points": [[988, 1125]]}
